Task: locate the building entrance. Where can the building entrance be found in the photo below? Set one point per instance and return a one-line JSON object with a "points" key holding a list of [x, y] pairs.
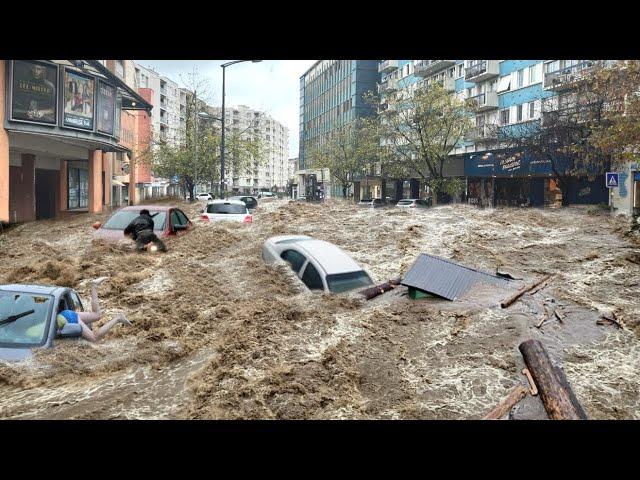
{"points": [[47, 184]]}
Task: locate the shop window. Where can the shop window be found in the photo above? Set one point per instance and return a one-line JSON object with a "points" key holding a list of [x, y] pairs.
{"points": [[78, 188]]}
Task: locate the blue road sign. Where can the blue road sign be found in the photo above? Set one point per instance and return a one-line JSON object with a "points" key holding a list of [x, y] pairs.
{"points": [[612, 180]]}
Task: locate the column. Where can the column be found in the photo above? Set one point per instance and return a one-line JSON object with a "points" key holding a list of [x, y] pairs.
{"points": [[24, 195], [107, 168], [64, 184], [95, 181], [4, 151], [133, 179]]}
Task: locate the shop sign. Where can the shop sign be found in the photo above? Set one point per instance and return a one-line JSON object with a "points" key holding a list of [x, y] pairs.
{"points": [[34, 92]]}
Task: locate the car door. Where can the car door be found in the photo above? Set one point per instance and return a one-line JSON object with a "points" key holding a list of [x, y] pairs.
{"points": [[311, 277], [179, 220], [295, 259], [184, 220]]}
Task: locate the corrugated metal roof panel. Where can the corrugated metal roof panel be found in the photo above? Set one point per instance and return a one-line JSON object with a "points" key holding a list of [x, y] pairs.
{"points": [[445, 278]]}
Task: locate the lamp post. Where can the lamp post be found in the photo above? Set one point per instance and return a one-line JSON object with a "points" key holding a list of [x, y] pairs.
{"points": [[224, 66], [195, 160]]}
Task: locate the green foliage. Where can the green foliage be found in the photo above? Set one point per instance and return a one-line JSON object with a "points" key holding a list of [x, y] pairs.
{"points": [[418, 132]]}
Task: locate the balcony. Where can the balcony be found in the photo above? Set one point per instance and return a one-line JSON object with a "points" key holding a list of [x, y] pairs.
{"points": [[447, 83], [387, 86], [483, 70], [387, 66], [424, 68], [568, 77], [481, 133], [485, 101]]}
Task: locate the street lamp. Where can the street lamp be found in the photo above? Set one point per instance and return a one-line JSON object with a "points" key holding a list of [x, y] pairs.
{"points": [[195, 160], [224, 66]]}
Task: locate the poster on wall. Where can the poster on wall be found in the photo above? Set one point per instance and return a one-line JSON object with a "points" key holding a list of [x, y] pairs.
{"points": [[79, 93], [106, 108], [34, 92]]}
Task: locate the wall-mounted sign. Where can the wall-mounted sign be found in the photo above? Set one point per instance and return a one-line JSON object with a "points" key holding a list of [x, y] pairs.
{"points": [[612, 180], [106, 108], [79, 94], [34, 92]]}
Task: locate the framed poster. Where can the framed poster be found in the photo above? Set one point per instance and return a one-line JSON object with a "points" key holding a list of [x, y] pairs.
{"points": [[34, 92], [106, 108], [79, 95]]}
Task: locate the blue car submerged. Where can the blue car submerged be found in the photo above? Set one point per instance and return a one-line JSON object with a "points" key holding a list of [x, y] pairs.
{"points": [[28, 318]]}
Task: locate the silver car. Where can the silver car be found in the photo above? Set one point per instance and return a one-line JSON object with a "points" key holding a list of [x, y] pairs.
{"points": [[413, 203], [372, 203], [319, 264]]}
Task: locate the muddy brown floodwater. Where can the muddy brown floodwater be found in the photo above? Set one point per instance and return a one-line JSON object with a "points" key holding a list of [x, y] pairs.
{"points": [[218, 334]]}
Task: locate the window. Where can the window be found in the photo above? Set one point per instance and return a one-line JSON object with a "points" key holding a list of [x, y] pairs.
{"points": [[520, 78], [531, 109], [532, 74], [120, 68], [504, 117], [182, 217], [295, 259], [504, 84], [519, 113], [311, 278]]}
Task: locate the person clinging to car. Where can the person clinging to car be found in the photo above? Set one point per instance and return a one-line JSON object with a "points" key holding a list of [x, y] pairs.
{"points": [[141, 231]]}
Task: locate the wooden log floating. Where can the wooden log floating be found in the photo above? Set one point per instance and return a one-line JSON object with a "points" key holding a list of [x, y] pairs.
{"points": [[373, 292], [555, 392], [515, 395], [509, 300]]}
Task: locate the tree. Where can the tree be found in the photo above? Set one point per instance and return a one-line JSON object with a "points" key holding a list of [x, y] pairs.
{"points": [[618, 86], [346, 151], [419, 131], [570, 133], [194, 155]]}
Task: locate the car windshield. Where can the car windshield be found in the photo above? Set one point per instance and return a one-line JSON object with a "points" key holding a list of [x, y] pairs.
{"points": [[223, 208], [343, 282], [121, 219], [365, 200], [405, 202], [23, 319]]}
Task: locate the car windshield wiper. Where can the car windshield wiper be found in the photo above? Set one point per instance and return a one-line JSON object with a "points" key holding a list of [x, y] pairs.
{"points": [[13, 318]]}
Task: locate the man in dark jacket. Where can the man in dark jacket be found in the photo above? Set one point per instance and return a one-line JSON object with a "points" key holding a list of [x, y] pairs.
{"points": [[141, 230]]}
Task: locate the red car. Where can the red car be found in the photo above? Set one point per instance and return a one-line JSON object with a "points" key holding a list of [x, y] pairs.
{"points": [[167, 220]]}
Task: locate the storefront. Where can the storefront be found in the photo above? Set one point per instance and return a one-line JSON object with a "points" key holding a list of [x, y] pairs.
{"points": [[59, 128], [511, 178]]}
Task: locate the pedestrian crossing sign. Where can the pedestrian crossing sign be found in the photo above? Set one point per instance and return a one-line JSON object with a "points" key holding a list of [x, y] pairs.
{"points": [[612, 180]]}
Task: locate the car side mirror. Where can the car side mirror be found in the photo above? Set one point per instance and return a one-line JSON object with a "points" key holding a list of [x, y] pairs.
{"points": [[97, 225]]}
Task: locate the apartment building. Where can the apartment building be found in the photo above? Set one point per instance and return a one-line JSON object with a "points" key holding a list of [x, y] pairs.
{"points": [[166, 96], [331, 95], [273, 171], [506, 93]]}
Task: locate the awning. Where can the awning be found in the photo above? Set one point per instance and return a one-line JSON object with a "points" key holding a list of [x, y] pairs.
{"points": [[117, 183], [131, 100], [121, 179]]}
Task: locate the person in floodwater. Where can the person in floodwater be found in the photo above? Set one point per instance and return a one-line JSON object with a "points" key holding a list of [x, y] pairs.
{"points": [[86, 318], [141, 230]]}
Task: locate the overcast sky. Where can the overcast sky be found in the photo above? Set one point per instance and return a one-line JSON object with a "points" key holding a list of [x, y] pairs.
{"points": [[272, 86]]}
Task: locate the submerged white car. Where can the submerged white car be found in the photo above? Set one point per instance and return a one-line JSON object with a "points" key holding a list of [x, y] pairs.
{"points": [[226, 210], [319, 264]]}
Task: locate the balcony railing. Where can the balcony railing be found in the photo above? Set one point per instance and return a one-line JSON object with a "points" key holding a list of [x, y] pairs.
{"points": [[485, 101], [387, 66], [447, 83], [424, 68], [387, 86], [567, 77], [487, 131], [482, 70]]}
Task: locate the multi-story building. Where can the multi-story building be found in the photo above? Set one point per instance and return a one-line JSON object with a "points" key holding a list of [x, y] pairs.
{"points": [[166, 97], [506, 93], [259, 175], [60, 122], [331, 95]]}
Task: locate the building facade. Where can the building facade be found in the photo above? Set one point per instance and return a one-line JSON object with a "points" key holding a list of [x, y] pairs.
{"points": [[272, 171], [331, 95], [166, 96], [60, 125], [506, 94]]}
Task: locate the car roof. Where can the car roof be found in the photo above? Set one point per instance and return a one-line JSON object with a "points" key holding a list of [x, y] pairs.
{"points": [[288, 238], [409, 199], [230, 200], [330, 257], [32, 288], [161, 208]]}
